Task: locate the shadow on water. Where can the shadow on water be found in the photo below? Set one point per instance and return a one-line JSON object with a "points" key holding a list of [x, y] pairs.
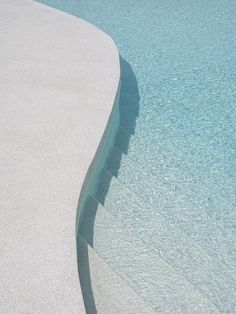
{"points": [[129, 111]]}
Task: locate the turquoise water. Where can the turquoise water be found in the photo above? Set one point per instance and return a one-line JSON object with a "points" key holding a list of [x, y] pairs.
{"points": [[170, 185]]}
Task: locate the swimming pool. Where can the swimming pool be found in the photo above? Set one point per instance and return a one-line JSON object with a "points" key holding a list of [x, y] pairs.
{"points": [[165, 223]]}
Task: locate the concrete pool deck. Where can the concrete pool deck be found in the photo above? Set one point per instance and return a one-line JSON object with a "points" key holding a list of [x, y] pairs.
{"points": [[59, 79]]}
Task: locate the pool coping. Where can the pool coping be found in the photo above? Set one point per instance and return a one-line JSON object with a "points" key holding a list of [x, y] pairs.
{"points": [[59, 113]]}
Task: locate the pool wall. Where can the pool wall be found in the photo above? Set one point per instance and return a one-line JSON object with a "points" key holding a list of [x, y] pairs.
{"points": [[92, 177]]}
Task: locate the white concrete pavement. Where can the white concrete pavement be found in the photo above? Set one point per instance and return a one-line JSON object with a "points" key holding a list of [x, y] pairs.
{"points": [[58, 81]]}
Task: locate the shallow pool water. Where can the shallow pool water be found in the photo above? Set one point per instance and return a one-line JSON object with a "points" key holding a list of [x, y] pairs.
{"points": [[171, 178]]}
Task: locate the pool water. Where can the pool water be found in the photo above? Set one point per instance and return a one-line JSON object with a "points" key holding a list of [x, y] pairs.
{"points": [[164, 217]]}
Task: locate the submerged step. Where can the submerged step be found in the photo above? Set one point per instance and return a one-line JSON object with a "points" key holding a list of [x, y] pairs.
{"points": [[207, 273], [189, 178], [196, 222], [174, 171], [142, 267], [103, 289], [189, 149]]}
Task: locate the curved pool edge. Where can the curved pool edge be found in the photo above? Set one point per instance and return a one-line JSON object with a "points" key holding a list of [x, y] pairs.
{"points": [[59, 114], [88, 190], [99, 160]]}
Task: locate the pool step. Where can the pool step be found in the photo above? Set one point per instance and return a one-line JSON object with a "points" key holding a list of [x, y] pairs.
{"points": [[142, 267], [104, 290], [176, 139], [210, 275], [151, 154], [164, 199], [172, 170]]}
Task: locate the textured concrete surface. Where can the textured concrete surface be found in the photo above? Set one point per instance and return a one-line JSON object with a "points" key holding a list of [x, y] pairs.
{"points": [[58, 81]]}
